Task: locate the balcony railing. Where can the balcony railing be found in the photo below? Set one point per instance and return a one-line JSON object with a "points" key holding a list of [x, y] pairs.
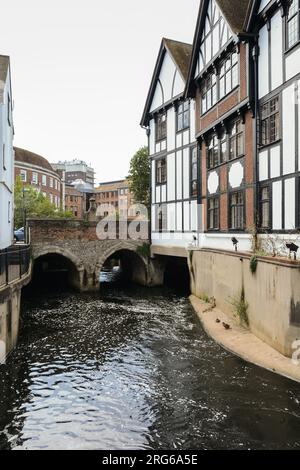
{"points": [[14, 263]]}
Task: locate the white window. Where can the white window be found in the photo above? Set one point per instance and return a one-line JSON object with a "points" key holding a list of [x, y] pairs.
{"points": [[23, 175], [51, 182], [44, 180], [34, 178], [51, 198]]}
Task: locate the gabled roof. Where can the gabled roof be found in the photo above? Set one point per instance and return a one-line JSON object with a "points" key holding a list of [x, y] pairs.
{"points": [[236, 13], [181, 55], [4, 68]]}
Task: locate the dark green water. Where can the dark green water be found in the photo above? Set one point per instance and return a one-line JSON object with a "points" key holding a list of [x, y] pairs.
{"points": [[133, 369]]}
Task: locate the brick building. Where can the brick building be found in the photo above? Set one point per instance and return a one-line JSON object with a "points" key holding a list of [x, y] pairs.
{"points": [[75, 201], [37, 171], [115, 196]]}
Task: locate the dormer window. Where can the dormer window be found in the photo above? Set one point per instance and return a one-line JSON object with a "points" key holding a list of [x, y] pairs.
{"points": [[183, 116], [293, 23], [161, 127]]}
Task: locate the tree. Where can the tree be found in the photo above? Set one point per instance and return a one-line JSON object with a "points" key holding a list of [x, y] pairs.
{"points": [[139, 177], [31, 203]]}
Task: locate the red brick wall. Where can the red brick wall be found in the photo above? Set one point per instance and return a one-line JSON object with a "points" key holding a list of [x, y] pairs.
{"points": [[45, 189]]}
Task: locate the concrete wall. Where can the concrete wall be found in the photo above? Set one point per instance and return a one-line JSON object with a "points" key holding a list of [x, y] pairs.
{"points": [[273, 292], [10, 304]]}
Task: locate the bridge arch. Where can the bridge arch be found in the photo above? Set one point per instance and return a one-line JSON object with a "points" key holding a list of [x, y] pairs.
{"points": [[54, 258], [135, 265]]}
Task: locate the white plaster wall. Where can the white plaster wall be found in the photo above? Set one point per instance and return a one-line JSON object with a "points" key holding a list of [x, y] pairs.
{"points": [[277, 204], [290, 200], [276, 51], [153, 181], [194, 216], [186, 174], [157, 98], [166, 76], [292, 64], [179, 175], [171, 177], [171, 134], [193, 120], [178, 84], [263, 166], [263, 62], [275, 161], [164, 193], [186, 216], [179, 216], [171, 211], [288, 131], [158, 194]]}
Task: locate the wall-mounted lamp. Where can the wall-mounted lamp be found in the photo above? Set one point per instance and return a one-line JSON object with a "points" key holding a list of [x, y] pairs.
{"points": [[235, 243], [293, 249]]}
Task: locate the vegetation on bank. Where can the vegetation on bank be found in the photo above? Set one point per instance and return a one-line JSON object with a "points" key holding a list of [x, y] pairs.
{"points": [[30, 203]]}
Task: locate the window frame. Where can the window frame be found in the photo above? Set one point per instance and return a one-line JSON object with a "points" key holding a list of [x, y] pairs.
{"points": [[267, 119], [161, 127], [237, 205], [228, 72], [215, 211], [207, 95], [263, 202], [160, 171], [181, 111], [234, 138], [288, 21]]}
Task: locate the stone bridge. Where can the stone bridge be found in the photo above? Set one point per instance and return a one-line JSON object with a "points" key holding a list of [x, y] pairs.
{"points": [[76, 246]]}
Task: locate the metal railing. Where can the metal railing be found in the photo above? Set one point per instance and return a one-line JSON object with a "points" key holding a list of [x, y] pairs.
{"points": [[14, 263]]}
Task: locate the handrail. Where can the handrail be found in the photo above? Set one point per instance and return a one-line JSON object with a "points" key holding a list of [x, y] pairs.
{"points": [[14, 263]]}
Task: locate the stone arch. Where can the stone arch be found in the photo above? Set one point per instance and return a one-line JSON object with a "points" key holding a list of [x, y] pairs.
{"points": [[140, 274], [77, 271]]}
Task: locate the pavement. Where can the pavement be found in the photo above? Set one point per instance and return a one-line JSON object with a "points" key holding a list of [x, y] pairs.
{"points": [[241, 342]]}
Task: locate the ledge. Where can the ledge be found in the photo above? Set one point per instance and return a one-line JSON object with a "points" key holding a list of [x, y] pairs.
{"points": [[242, 343], [278, 261]]}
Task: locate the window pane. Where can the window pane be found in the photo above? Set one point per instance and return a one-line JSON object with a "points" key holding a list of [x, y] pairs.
{"points": [[293, 31]]}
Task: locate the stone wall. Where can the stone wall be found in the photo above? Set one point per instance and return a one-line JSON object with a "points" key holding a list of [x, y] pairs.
{"points": [[10, 304], [272, 293], [77, 241]]}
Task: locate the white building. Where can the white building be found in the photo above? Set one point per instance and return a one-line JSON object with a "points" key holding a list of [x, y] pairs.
{"points": [[279, 84], [170, 122], [6, 155]]}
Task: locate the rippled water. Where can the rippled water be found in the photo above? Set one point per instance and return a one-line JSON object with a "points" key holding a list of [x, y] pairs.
{"points": [[133, 369]]}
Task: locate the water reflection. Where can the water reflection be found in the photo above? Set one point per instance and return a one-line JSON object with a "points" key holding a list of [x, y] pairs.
{"points": [[133, 369]]}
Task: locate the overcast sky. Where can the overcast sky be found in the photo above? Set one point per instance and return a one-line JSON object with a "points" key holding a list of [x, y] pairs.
{"points": [[81, 72]]}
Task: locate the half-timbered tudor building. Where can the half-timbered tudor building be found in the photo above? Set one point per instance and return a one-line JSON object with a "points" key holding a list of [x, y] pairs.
{"points": [[277, 26], [170, 123], [220, 80]]}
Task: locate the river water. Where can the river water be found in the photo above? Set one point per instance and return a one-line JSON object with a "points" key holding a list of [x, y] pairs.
{"points": [[133, 369]]}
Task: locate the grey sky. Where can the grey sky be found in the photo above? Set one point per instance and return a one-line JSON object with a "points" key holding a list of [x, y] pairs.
{"points": [[81, 71]]}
